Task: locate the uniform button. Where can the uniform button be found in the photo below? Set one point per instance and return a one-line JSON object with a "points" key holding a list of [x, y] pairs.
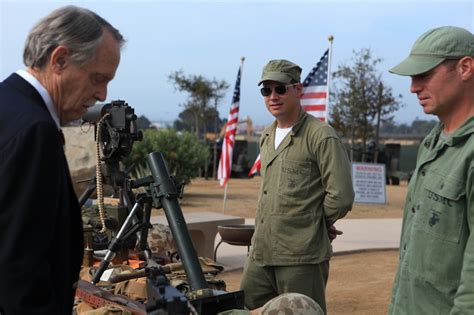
{"points": [[264, 192], [423, 173], [261, 221], [404, 246], [413, 209], [441, 186]]}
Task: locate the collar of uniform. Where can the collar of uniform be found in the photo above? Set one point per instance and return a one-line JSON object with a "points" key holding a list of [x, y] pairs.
{"points": [[433, 135], [465, 130], [301, 119]]}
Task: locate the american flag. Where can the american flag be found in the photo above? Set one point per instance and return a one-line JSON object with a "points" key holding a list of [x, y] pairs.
{"points": [[315, 89], [225, 162]]}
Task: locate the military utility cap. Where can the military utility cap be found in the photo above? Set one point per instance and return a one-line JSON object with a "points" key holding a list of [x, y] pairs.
{"points": [[292, 303], [281, 70], [285, 304], [434, 47]]}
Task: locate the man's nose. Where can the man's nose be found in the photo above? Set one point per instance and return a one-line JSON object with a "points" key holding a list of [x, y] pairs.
{"points": [[101, 93], [274, 94], [415, 86]]}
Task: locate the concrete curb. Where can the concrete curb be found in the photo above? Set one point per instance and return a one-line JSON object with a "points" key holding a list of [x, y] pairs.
{"points": [[342, 253], [367, 250]]}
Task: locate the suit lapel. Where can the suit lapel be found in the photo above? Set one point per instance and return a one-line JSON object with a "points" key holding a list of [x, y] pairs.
{"points": [[26, 89]]}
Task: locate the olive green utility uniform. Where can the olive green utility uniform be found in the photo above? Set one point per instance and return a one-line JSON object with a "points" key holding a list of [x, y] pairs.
{"points": [[436, 269], [306, 186]]}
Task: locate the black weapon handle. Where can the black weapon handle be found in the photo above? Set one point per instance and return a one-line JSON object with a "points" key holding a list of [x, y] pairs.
{"points": [[103, 266]]}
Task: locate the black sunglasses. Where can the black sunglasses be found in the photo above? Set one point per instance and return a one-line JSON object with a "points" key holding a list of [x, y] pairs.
{"points": [[280, 89]]}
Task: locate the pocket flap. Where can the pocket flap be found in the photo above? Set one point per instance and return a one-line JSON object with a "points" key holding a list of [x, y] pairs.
{"points": [[444, 186]]}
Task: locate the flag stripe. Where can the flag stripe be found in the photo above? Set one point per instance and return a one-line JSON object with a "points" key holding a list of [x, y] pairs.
{"points": [[314, 95], [317, 114], [312, 108], [310, 102]]}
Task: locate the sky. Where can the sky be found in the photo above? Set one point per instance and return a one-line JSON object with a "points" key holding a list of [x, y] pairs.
{"points": [[209, 37]]}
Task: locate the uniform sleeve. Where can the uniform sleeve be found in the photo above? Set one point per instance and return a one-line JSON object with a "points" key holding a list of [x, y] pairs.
{"points": [[335, 171], [30, 168], [464, 298]]}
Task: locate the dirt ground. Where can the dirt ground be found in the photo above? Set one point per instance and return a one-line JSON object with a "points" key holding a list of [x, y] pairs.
{"points": [[358, 283]]}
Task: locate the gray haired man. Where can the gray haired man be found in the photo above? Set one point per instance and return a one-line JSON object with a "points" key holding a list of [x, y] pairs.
{"points": [[70, 56]]}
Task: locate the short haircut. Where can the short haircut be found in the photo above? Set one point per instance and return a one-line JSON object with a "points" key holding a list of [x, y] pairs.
{"points": [[79, 29], [451, 63]]}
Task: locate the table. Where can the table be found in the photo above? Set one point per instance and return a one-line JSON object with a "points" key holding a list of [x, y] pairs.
{"points": [[202, 227]]}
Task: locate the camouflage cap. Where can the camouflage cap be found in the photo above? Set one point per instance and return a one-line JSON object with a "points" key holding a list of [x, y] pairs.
{"points": [[281, 70], [160, 240], [291, 304], [435, 46]]}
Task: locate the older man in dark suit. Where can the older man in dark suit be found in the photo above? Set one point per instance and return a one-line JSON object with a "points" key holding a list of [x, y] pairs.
{"points": [[70, 57]]}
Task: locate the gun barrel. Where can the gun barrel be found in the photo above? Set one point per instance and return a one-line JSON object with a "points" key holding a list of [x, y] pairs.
{"points": [[94, 113], [166, 189]]}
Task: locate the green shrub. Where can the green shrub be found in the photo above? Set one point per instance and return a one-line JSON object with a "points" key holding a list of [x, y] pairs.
{"points": [[183, 152]]}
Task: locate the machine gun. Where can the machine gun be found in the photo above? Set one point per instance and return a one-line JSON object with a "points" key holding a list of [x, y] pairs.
{"points": [[115, 133]]}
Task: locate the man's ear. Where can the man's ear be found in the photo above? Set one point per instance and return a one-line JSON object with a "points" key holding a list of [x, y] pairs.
{"points": [[59, 58], [466, 67]]}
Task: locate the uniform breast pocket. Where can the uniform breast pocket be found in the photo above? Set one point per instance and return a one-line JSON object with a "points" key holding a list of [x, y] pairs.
{"points": [[294, 178], [444, 207]]}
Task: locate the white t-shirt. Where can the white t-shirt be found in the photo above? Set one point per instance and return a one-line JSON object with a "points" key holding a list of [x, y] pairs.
{"points": [[280, 134]]}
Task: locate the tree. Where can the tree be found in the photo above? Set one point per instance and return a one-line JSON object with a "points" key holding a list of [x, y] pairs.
{"points": [[419, 128], [422, 127], [143, 122], [362, 100], [183, 152], [200, 109], [186, 121]]}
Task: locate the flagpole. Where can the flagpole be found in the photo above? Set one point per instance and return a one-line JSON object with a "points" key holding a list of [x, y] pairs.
{"points": [[242, 59], [330, 39], [225, 198]]}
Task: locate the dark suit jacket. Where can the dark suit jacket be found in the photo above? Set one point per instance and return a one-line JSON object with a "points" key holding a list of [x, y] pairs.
{"points": [[41, 241]]}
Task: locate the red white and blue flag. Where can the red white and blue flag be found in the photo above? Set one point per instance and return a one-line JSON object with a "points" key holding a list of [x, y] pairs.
{"points": [[225, 162], [314, 99]]}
